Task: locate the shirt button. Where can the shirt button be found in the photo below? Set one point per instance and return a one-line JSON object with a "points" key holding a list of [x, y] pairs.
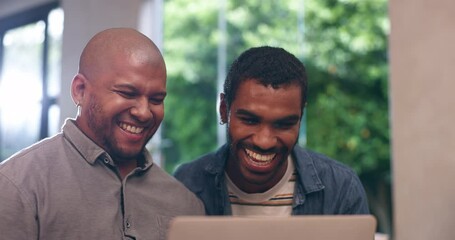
{"points": [[128, 225]]}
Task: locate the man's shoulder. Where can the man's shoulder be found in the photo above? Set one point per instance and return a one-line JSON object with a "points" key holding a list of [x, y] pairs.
{"points": [[165, 182], [343, 190], [199, 173], [23, 171], [32, 156], [195, 167], [322, 163], [212, 162]]}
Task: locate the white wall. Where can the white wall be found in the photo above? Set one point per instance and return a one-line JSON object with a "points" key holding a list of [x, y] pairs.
{"points": [[422, 60]]}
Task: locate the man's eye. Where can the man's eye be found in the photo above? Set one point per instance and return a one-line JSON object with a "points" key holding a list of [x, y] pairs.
{"points": [[156, 101], [249, 121], [126, 94]]}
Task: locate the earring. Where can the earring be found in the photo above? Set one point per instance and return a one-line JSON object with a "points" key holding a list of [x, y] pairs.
{"points": [[78, 106]]}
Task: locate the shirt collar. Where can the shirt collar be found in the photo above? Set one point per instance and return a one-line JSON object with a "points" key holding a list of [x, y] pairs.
{"points": [[89, 150], [307, 173], [217, 167], [84, 145]]}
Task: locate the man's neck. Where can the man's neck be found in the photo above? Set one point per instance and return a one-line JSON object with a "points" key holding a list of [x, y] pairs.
{"points": [[125, 167]]}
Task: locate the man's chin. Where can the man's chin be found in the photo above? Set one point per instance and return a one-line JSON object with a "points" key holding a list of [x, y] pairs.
{"points": [[127, 155]]}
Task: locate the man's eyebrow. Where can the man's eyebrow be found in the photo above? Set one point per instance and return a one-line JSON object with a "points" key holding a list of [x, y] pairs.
{"points": [[131, 87], [290, 118], [293, 117], [125, 86], [245, 112]]}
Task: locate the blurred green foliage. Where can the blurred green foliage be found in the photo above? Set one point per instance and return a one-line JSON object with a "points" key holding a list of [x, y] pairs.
{"points": [[348, 99]]}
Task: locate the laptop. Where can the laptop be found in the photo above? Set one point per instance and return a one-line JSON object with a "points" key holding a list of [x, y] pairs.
{"points": [[307, 227]]}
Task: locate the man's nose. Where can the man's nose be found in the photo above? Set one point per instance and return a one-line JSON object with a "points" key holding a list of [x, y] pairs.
{"points": [[141, 110], [265, 138]]}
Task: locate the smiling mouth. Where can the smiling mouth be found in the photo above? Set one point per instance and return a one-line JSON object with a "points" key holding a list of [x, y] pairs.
{"points": [[131, 128], [261, 159]]}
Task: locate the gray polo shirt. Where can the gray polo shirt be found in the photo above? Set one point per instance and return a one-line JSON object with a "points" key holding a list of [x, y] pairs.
{"points": [[66, 187]]}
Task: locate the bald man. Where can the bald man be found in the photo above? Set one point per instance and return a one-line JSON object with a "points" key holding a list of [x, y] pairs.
{"points": [[95, 179]]}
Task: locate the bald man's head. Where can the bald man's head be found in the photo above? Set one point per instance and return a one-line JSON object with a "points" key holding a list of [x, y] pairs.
{"points": [[110, 46], [120, 91]]}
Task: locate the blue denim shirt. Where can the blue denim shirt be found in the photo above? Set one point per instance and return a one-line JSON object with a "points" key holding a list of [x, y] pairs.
{"points": [[324, 186]]}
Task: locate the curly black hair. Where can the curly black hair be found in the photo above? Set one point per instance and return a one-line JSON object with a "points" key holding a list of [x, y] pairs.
{"points": [[270, 66]]}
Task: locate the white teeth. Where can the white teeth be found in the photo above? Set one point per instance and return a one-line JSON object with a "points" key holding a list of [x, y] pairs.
{"points": [[260, 157], [131, 128]]}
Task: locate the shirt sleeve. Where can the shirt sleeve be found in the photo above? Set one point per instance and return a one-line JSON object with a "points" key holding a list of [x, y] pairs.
{"points": [[17, 217]]}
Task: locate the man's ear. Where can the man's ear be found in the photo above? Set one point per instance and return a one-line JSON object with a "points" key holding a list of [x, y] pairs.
{"points": [[78, 87], [223, 109]]}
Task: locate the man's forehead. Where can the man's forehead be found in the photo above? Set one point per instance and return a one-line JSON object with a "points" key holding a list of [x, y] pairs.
{"points": [[254, 99]]}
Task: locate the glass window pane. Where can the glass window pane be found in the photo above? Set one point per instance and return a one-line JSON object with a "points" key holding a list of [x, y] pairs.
{"points": [[21, 87], [55, 31]]}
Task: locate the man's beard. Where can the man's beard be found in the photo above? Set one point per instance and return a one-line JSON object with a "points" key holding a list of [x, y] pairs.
{"points": [[107, 142]]}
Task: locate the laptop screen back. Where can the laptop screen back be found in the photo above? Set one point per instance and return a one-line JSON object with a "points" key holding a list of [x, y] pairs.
{"points": [[320, 227]]}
